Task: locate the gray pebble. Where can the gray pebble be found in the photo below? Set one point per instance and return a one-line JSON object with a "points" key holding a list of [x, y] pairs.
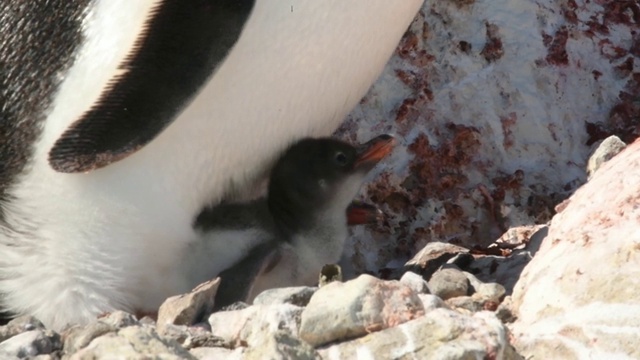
{"points": [[449, 283]]}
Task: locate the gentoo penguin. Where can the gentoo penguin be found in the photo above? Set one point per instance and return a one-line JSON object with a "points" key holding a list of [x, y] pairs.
{"points": [[286, 238], [120, 120]]}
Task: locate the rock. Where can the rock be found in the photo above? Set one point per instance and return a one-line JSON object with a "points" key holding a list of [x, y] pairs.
{"points": [[252, 324], [517, 237], [431, 257], [189, 308], [216, 353], [192, 336], [415, 282], [431, 302], [603, 152], [120, 319], [491, 292], [578, 297], [31, 343], [448, 283], [339, 311], [465, 302], [440, 334], [298, 296], [177, 333], [45, 357], [18, 326], [79, 337], [474, 282], [147, 321], [282, 345], [505, 311], [133, 342], [238, 305], [503, 270]]}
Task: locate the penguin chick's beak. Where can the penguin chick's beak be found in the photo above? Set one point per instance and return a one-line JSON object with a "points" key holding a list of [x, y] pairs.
{"points": [[374, 150], [360, 213]]}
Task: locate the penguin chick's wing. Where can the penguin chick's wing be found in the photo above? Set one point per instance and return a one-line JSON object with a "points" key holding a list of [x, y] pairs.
{"points": [[238, 281], [176, 52]]}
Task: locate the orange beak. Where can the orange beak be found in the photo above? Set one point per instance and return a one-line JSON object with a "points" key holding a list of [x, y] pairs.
{"points": [[370, 153], [359, 213]]}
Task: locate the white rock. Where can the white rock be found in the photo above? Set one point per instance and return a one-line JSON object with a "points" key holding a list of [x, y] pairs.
{"points": [[415, 282], [28, 344], [79, 337], [252, 324], [281, 345], [119, 319], [185, 309], [431, 302], [298, 296], [578, 297], [440, 334], [492, 292], [132, 342], [464, 304], [217, 353], [344, 310], [19, 325]]}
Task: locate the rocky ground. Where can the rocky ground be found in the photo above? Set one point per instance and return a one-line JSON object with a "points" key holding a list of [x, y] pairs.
{"points": [[497, 105], [576, 299]]}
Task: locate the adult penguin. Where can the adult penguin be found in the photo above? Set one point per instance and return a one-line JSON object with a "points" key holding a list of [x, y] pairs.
{"points": [[120, 120]]}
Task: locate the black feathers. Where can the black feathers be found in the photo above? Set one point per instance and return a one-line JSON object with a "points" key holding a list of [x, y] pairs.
{"points": [[176, 53]]}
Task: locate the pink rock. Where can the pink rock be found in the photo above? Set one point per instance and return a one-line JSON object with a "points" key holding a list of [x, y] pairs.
{"points": [[341, 311], [578, 297]]}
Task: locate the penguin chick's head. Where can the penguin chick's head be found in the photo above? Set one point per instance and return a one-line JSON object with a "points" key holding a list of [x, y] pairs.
{"points": [[318, 175]]}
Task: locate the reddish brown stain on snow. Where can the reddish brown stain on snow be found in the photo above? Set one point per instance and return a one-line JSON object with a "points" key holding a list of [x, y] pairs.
{"points": [[418, 83], [626, 12], [556, 47], [595, 27], [611, 51], [507, 122], [624, 118], [596, 74], [408, 45], [569, 11], [410, 49], [439, 170], [623, 70], [493, 49]]}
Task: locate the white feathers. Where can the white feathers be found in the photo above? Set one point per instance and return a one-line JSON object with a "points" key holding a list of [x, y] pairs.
{"points": [[112, 238]]}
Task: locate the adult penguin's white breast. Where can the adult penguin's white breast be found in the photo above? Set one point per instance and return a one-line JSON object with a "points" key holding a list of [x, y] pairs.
{"points": [[134, 145]]}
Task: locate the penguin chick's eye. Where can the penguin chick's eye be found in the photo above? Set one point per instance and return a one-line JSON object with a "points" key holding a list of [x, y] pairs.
{"points": [[341, 159]]}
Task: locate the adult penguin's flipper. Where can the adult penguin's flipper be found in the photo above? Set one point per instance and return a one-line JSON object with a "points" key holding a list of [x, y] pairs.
{"points": [[180, 46]]}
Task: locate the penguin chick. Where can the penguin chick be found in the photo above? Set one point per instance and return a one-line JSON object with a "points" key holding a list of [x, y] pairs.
{"points": [[253, 274], [299, 227]]}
